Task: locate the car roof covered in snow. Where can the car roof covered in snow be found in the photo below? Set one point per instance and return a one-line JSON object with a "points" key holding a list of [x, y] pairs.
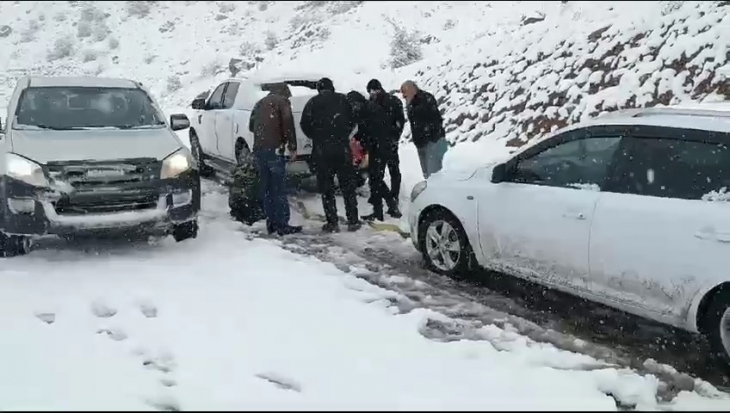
{"points": [[267, 77], [81, 81], [710, 119]]}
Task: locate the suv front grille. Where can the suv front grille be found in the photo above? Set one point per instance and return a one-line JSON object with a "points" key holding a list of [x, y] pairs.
{"points": [[103, 187]]}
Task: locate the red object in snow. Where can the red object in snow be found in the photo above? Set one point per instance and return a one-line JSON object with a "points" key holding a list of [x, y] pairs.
{"points": [[358, 154]]}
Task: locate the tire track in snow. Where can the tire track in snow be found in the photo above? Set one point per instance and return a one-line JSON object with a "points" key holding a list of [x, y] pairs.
{"points": [[485, 298]]}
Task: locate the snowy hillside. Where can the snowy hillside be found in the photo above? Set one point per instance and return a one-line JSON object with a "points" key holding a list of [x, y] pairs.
{"points": [[508, 71]]}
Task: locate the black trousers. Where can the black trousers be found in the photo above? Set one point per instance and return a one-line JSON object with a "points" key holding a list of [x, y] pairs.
{"points": [[379, 191], [392, 162], [329, 166]]}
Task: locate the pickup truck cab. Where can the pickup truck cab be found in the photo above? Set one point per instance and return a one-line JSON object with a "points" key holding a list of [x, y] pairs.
{"points": [[87, 155], [219, 135]]}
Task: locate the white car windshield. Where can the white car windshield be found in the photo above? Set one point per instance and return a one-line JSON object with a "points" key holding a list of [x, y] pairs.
{"points": [[67, 108]]}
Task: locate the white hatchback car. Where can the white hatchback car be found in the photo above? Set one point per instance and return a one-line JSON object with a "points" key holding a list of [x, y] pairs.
{"points": [[219, 135], [629, 210]]}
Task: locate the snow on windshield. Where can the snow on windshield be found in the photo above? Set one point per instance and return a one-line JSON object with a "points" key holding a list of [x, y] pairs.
{"points": [[86, 107]]}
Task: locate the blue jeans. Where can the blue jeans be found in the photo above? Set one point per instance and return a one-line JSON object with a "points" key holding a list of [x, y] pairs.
{"points": [[272, 170], [431, 156]]}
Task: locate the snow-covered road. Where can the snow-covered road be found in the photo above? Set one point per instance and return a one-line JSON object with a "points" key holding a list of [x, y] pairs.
{"points": [[234, 321]]}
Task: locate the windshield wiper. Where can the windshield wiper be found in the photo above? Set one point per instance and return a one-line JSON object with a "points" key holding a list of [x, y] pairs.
{"points": [[54, 127], [153, 126]]}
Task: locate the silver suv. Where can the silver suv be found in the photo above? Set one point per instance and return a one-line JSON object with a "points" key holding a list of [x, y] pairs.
{"points": [[89, 155]]}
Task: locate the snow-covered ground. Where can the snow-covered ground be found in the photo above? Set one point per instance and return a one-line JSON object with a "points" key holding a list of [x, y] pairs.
{"points": [[208, 324]]}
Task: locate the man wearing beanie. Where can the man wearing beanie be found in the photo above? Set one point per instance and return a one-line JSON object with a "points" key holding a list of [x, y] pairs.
{"points": [[394, 126], [327, 119]]}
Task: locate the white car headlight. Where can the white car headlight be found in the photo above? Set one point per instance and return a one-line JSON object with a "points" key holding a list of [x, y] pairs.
{"points": [[417, 189], [25, 170], [176, 164]]}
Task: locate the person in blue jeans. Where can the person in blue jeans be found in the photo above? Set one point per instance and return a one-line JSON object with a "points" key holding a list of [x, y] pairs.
{"points": [[427, 129], [272, 124]]}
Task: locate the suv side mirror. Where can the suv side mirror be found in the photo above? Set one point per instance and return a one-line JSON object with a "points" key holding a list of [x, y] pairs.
{"points": [[499, 173], [199, 104], [179, 122]]}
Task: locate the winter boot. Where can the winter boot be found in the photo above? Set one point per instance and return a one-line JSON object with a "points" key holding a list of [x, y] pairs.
{"points": [[354, 226], [377, 214], [289, 229], [330, 227], [270, 228], [393, 210]]}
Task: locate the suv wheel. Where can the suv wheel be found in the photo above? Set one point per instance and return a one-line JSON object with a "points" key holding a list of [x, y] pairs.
{"points": [[14, 245], [186, 230]]}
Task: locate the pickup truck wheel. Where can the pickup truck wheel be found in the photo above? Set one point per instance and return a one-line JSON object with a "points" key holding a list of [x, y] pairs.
{"points": [[199, 156], [242, 153], [187, 230], [14, 245]]}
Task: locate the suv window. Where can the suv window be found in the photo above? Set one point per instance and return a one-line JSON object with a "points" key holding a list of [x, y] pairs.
{"points": [[673, 168], [230, 96], [216, 98], [571, 164]]}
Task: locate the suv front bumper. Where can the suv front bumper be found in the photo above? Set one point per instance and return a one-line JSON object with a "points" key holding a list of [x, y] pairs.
{"points": [[154, 206]]}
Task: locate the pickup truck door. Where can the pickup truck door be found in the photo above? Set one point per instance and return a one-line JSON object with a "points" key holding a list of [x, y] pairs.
{"points": [[207, 135], [224, 120]]}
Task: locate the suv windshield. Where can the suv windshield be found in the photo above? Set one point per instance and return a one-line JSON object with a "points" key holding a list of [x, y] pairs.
{"points": [[65, 108]]}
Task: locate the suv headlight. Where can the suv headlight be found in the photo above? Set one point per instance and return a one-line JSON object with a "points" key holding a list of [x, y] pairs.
{"points": [[176, 164], [417, 189], [25, 170]]}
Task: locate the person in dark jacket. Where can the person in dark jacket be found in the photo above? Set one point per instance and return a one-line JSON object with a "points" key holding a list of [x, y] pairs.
{"points": [[427, 128], [394, 128], [327, 120], [372, 132], [272, 124]]}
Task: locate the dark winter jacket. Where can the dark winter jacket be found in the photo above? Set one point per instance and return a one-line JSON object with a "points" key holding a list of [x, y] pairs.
{"points": [[327, 119], [425, 118], [272, 122], [394, 112], [371, 119]]}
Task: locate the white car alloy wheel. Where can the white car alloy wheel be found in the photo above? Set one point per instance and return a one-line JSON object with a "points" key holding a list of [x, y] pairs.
{"points": [[443, 246]]}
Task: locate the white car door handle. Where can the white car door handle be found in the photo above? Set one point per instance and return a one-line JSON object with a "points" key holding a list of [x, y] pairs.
{"points": [[575, 215], [712, 235]]}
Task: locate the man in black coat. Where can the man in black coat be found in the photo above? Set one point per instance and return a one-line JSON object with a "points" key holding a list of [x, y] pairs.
{"points": [[327, 119], [427, 128], [395, 121], [372, 132]]}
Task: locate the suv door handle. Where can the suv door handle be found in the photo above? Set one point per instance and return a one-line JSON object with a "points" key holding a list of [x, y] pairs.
{"points": [[575, 215]]}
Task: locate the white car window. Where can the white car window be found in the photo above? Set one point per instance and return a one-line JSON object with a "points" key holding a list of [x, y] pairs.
{"points": [[571, 164], [674, 168], [216, 98]]}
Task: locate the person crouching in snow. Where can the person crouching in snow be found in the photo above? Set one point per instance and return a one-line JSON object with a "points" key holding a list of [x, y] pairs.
{"points": [[244, 197], [371, 128]]}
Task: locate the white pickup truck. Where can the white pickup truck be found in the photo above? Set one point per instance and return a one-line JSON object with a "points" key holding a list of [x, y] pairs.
{"points": [[219, 135]]}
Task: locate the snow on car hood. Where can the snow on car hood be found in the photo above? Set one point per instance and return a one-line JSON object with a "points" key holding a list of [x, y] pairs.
{"points": [[45, 146]]}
